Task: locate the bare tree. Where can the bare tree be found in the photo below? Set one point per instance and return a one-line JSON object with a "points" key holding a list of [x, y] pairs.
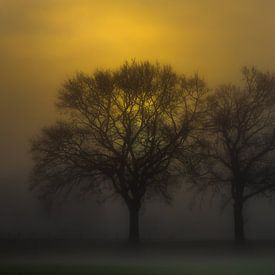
{"points": [[238, 144], [121, 129]]}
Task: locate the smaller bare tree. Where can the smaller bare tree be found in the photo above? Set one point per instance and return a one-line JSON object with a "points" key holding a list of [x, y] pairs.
{"points": [[237, 154]]}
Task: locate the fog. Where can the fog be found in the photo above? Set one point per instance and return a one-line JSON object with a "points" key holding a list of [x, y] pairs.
{"points": [[45, 42], [185, 219]]}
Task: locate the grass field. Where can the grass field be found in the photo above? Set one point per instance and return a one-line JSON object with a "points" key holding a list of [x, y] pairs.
{"points": [[136, 270], [62, 257]]}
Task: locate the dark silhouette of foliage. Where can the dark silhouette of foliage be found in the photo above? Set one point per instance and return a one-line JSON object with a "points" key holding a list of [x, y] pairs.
{"points": [[238, 144], [121, 130]]}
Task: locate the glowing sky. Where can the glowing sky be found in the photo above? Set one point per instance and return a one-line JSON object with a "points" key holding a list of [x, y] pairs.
{"points": [[42, 42]]}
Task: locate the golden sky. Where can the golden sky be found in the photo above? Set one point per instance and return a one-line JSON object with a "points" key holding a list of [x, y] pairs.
{"points": [[42, 42]]}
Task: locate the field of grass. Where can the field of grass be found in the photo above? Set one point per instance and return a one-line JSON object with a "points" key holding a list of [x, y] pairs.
{"points": [[58, 258], [136, 270]]}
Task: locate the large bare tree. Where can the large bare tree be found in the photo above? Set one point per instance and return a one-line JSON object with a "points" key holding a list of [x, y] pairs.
{"points": [[238, 145], [120, 129]]}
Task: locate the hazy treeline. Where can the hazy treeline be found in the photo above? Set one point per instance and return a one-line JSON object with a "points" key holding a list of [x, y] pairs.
{"points": [[134, 131]]}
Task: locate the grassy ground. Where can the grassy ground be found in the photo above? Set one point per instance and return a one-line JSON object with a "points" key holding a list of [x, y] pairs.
{"points": [[58, 258], [133, 270]]}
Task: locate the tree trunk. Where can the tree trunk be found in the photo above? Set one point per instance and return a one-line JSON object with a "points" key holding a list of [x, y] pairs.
{"points": [[134, 225], [239, 222]]}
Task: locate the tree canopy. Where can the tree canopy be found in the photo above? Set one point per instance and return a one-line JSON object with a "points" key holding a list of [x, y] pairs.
{"points": [[238, 144], [122, 130]]}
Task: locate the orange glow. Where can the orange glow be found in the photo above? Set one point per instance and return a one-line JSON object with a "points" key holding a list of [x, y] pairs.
{"points": [[44, 42]]}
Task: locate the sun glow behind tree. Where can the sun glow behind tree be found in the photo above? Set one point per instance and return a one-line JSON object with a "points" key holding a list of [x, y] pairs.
{"points": [[128, 128]]}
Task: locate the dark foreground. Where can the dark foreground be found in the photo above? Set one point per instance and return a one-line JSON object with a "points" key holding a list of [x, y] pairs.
{"points": [[90, 257]]}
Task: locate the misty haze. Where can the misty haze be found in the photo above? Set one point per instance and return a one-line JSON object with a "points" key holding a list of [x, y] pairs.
{"points": [[137, 137]]}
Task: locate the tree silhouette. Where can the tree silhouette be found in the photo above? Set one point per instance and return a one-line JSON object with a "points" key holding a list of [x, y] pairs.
{"points": [[238, 145], [120, 130]]}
